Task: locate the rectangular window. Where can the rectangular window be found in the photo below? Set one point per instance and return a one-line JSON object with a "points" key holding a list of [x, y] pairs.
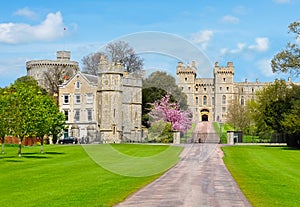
{"points": [[197, 101], [66, 112], [77, 115], [220, 88], [77, 99], [89, 98], [223, 109], [66, 99], [204, 89], [89, 115], [213, 100]]}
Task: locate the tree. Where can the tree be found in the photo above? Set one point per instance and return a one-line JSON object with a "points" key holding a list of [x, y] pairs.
{"points": [[237, 116], [54, 77], [170, 112], [48, 120], [288, 60], [117, 52], [291, 121], [90, 63], [4, 118], [22, 104], [162, 80], [32, 111], [149, 96], [273, 103]]}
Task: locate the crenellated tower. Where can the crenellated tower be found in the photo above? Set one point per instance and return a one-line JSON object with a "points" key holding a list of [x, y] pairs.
{"points": [[224, 89], [186, 81], [110, 97]]}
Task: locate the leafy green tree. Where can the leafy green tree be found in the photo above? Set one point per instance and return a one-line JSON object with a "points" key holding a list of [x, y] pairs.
{"points": [[166, 82], [4, 118], [22, 104], [149, 96], [273, 104], [288, 60], [48, 119], [291, 121], [33, 112]]}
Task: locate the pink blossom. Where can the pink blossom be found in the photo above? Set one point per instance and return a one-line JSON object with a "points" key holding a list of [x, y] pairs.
{"points": [[170, 112]]}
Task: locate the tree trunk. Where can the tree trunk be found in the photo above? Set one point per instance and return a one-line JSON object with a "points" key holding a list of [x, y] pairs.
{"points": [[42, 145], [2, 146], [20, 147]]}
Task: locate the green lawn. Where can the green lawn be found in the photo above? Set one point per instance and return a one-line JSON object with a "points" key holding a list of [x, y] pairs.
{"points": [[268, 176], [69, 175]]}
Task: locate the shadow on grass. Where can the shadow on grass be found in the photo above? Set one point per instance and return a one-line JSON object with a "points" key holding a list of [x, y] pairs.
{"points": [[284, 147], [55, 153], [14, 161], [35, 156]]}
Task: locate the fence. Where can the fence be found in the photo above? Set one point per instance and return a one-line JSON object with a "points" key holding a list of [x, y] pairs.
{"points": [[203, 138]]}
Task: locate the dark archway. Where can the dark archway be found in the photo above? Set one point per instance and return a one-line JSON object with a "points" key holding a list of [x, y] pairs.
{"points": [[204, 117], [204, 113]]}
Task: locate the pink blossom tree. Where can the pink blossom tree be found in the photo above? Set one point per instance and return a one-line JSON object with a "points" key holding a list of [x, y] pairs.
{"points": [[170, 112]]}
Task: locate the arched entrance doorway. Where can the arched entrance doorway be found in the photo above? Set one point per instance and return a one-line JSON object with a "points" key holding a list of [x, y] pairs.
{"points": [[204, 113]]}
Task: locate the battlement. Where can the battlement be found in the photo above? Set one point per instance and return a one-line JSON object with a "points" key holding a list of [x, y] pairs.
{"points": [[109, 67], [188, 69], [229, 69], [63, 55]]}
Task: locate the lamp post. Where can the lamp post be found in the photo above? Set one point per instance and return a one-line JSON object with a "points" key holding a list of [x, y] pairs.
{"points": [[221, 124]]}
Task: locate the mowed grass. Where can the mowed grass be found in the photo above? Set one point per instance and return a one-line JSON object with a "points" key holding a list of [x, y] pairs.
{"points": [[268, 176], [66, 176]]}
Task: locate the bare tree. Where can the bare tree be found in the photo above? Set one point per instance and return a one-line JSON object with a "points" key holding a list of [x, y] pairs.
{"points": [[54, 77], [90, 63], [118, 52]]}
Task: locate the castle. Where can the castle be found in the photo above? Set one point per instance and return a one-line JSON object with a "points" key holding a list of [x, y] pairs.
{"points": [[209, 98], [98, 109], [107, 108]]}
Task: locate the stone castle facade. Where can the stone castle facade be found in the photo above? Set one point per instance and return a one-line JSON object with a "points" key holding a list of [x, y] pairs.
{"points": [[209, 98], [98, 109], [107, 108]]}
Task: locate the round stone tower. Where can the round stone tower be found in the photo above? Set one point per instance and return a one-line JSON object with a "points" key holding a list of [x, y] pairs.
{"points": [[37, 68]]}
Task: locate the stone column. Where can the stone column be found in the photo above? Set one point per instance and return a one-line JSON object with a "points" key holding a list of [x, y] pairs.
{"points": [[230, 136], [176, 137]]}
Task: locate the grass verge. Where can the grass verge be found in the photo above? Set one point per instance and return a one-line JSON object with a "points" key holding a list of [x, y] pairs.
{"points": [[67, 176], [268, 176]]}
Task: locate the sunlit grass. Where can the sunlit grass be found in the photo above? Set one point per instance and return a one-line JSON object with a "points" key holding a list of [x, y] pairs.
{"points": [[268, 176], [67, 176]]}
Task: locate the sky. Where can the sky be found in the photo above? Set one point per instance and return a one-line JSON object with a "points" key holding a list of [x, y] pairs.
{"points": [[247, 33]]}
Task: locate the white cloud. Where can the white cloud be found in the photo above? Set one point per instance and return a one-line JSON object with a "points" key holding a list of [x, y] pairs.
{"points": [[262, 44], [240, 48], [51, 28], [264, 65], [230, 19], [25, 12], [202, 38]]}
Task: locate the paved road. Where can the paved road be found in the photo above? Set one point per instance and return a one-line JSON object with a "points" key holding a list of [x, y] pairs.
{"points": [[199, 179]]}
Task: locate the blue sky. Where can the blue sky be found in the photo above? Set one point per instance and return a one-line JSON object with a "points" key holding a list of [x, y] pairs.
{"points": [[248, 33]]}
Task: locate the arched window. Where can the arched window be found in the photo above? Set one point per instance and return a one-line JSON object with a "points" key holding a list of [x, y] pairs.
{"points": [[204, 100], [196, 100], [242, 101], [77, 85], [223, 99]]}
